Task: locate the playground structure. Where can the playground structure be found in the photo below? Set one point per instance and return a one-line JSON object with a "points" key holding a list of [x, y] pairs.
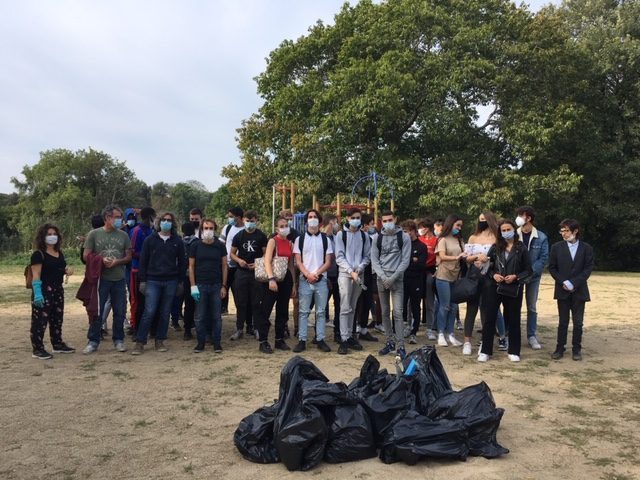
{"points": [[371, 183]]}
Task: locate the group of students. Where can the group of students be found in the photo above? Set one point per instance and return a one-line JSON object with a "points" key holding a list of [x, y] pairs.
{"points": [[398, 273]]}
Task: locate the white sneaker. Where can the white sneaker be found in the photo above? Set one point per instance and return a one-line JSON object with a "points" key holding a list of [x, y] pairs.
{"points": [[90, 348], [441, 340], [533, 342], [466, 349], [431, 335], [514, 358], [120, 347], [237, 335], [454, 341], [483, 357], [413, 340]]}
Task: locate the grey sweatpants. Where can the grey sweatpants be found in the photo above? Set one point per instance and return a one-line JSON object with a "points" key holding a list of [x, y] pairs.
{"points": [[394, 294]]}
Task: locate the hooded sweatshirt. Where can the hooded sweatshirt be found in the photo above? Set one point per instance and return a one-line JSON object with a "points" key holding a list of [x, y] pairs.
{"points": [[390, 262]]}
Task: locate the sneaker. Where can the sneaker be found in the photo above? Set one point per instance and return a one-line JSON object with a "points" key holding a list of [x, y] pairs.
{"points": [[281, 345], [431, 335], [160, 346], [412, 339], [337, 338], [119, 346], [176, 327], [533, 343], [199, 348], [300, 347], [353, 344], [466, 348], [138, 348], [286, 333], [503, 345], [217, 348], [250, 331], [557, 355], [379, 328], [402, 353], [483, 357], [322, 345], [187, 334], [265, 347], [367, 337], [343, 349], [407, 331], [442, 341], [388, 348], [577, 356], [458, 325], [514, 358], [454, 341], [237, 335], [63, 348], [90, 348], [41, 355]]}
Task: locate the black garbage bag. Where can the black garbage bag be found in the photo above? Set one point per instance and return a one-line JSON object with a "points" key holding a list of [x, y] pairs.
{"points": [[415, 437], [430, 380], [322, 394], [476, 406], [387, 407], [350, 435], [254, 436]]}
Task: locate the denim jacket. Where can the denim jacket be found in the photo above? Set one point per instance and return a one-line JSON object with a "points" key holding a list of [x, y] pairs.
{"points": [[538, 251]]}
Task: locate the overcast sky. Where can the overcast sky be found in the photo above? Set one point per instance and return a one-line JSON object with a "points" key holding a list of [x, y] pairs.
{"points": [[161, 85]]}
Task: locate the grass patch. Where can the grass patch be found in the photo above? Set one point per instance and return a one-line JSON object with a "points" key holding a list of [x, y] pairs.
{"points": [[578, 411], [188, 468], [88, 366], [142, 423], [122, 376], [207, 411], [104, 457]]}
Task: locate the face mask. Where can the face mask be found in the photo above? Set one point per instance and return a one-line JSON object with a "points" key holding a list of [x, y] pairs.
{"points": [[455, 231], [284, 231], [336, 228], [389, 226], [436, 233], [117, 223], [131, 223], [196, 224], [422, 232], [371, 230], [520, 221], [508, 235], [51, 239], [165, 225], [313, 222], [483, 225], [250, 225], [354, 223], [231, 221], [207, 235], [290, 223]]}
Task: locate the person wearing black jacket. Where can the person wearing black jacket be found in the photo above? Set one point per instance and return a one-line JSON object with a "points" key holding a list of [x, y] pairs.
{"points": [[414, 278], [510, 269], [163, 267]]}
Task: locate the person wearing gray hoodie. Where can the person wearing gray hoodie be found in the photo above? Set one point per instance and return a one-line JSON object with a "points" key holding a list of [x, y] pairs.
{"points": [[390, 257]]}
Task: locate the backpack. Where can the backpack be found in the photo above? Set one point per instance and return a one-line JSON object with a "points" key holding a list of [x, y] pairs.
{"points": [[398, 236], [325, 243], [363, 235], [28, 274]]}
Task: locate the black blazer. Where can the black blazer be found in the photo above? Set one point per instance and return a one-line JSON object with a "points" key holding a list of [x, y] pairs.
{"points": [[577, 271]]}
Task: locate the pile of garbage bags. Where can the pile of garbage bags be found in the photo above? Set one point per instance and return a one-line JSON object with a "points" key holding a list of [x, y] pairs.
{"points": [[404, 417]]}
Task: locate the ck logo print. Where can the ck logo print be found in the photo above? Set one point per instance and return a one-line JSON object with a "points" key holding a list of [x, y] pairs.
{"points": [[249, 246]]}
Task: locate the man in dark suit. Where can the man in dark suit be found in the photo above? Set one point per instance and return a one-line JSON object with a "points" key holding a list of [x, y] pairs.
{"points": [[570, 265]]}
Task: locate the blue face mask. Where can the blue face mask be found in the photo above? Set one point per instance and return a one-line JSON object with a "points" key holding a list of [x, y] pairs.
{"points": [[250, 225], [455, 231], [231, 221], [131, 223], [372, 230], [354, 223], [389, 226], [117, 223], [165, 225], [508, 235]]}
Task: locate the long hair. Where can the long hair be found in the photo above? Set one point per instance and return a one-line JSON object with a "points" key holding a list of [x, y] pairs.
{"points": [[447, 229], [41, 233], [501, 243], [492, 223], [173, 223]]}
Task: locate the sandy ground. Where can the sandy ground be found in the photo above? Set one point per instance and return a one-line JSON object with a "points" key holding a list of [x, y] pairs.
{"points": [[172, 415]]}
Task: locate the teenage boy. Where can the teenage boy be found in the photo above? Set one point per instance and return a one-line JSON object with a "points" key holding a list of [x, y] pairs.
{"points": [[367, 299], [538, 246], [233, 225], [195, 217], [353, 249], [313, 256], [570, 265], [390, 257], [428, 238], [247, 245], [414, 278]]}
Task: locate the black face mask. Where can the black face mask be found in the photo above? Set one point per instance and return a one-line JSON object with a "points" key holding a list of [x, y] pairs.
{"points": [[195, 223], [483, 225]]}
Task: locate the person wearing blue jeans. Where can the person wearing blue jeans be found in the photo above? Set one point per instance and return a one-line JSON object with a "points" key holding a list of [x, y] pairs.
{"points": [[537, 244], [116, 291]]}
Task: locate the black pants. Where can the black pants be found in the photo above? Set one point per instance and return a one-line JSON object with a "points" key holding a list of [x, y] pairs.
{"points": [[412, 297], [334, 291], [474, 305], [281, 300], [574, 307], [231, 272], [189, 306], [363, 309], [248, 294], [491, 302], [51, 313]]}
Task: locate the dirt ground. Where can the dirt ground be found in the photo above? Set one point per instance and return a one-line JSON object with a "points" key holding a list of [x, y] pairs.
{"points": [[172, 415]]}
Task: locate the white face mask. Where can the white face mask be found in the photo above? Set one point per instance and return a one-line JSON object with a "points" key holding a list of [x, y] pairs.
{"points": [[51, 239], [284, 231], [208, 235], [422, 232], [313, 222], [520, 221]]}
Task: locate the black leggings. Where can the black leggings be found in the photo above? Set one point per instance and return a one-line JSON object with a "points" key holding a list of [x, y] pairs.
{"points": [[491, 302], [281, 301], [51, 313]]}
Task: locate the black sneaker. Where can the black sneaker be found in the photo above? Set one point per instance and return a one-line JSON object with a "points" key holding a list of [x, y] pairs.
{"points": [[281, 345], [337, 338], [199, 348], [314, 341], [343, 349], [557, 355], [250, 331], [265, 347], [63, 348], [577, 356], [367, 337], [176, 327], [322, 345], [41, 355], [217, 348], [353, 344], [187, 334], [300, 347], [286, 333], [503, 345]]}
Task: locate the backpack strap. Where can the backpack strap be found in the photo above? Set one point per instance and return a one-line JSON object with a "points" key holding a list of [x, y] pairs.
{"points": [[399, 238]]}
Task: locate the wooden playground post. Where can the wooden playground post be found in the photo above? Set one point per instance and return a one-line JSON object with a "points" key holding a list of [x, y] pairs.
{"points": [[338, 207], [293, 197], [393, 206], [369, 206], [375, 210], [314, 202]]}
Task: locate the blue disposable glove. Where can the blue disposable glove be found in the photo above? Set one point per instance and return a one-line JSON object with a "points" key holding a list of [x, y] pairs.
{"points": [[38, 298], [195, 293]]}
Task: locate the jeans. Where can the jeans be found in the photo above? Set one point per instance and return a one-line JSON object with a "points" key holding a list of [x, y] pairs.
{"points": [[446, 311], [393, 294], [429, 302], [531, 290], [208, 316], [349, 294], [318, 292], [117, 292], [159, 295]]}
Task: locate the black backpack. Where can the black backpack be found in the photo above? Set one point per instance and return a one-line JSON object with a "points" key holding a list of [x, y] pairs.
{"points": [[325, 243], [398, 236], [364, 238]]}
